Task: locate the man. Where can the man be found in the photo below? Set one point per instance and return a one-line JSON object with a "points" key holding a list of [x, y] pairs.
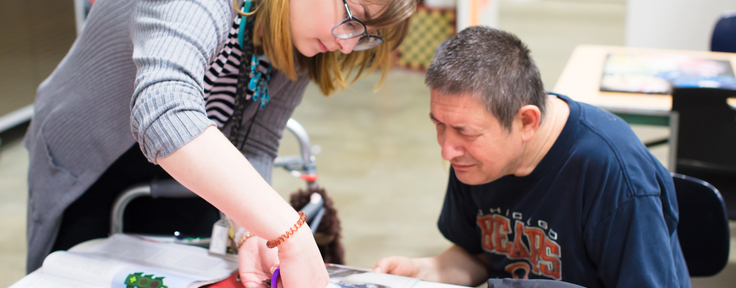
{"points": [[541, 186]]}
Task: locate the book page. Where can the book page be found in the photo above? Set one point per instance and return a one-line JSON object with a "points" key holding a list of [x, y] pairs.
{"points": [[350, 277], [187, 260], [92, 269], [127, 261], [102, 271], [40, 279]]}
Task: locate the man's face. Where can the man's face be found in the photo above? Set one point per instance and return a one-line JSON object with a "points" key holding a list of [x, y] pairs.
{"points": [[478, 147]]}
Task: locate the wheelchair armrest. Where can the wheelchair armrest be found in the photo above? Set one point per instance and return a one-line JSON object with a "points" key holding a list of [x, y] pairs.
{"points": [[158, 188], [169, 188], [315, 210]]}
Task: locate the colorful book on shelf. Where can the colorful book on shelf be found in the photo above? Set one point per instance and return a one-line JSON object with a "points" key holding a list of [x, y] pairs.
{"points": [[654, 73], [131, 262]]}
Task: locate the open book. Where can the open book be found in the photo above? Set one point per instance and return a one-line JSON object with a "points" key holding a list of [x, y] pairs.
{"points": [[655, 72], [349, 277], [131, 262], [123, 261]]}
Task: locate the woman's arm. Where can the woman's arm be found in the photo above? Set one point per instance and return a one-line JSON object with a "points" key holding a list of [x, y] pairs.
{"points": [[212, 168], [174, 41]]}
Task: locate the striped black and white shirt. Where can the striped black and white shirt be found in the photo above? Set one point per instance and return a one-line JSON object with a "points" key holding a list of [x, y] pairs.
{"points": [[221, 79]]}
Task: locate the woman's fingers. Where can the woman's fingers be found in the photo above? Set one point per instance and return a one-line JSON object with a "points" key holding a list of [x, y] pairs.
{"points": [[254, 285], [301, 263], [255, 262]]}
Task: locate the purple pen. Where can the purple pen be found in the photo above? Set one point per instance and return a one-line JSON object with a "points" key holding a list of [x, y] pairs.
{"points": [[275, 278]]}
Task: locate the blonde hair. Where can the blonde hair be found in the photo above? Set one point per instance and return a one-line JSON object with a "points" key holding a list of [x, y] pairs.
{"points": [[331, 70]]}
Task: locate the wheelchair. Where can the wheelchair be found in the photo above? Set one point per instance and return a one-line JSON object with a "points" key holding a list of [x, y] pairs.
{"points": [[301, 166]]}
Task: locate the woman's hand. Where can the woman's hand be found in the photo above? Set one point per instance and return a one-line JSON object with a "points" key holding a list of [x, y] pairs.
{"points": [[212, 168], [397, 265], [256, 262], [301, 262]]}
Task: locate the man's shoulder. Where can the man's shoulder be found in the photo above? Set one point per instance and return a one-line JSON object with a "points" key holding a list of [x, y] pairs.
{"points": [[593, 134], [608, 144], [613, 173]]}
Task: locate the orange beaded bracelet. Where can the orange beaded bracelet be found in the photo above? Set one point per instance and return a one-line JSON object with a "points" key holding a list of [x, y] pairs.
{"points": [[292, 230]]}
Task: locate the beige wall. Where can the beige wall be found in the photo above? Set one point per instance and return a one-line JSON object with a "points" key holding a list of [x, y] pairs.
{"points": [[673, 24], [34, 36]]}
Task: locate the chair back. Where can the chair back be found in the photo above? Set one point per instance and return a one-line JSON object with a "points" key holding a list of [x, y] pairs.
{"points": [[706, 134], [703, 226], [724, 34]]}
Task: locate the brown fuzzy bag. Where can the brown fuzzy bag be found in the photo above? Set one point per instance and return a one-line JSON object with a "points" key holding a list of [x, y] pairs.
{"points": [[328, 233]]}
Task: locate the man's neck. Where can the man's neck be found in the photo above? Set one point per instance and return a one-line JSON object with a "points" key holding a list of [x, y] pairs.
{"points": [[545, 137]]}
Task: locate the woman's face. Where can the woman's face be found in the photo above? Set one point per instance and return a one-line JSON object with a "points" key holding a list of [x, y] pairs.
{"points": [[312, 22]]}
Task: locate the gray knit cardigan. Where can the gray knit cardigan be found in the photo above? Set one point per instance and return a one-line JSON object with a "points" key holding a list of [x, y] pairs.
{"points": [[135, 74]]}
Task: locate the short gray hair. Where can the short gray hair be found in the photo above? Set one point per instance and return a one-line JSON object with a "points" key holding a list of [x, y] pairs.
{"points": [[492, 65]]}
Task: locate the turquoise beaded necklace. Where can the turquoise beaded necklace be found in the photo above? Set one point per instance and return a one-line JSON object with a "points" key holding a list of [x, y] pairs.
{"points": [[250, 73], [259, 82]]}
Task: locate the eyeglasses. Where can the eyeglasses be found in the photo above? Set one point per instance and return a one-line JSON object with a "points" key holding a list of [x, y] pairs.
{"points": [[352, 27]]}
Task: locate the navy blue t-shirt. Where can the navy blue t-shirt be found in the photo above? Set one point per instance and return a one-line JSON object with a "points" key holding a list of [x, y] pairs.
{"points": [[598, 211]]}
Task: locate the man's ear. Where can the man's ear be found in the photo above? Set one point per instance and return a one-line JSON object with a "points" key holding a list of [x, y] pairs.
{"points": [[530, 117]]}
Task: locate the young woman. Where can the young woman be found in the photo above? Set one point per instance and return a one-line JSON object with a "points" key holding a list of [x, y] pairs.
{"points": [[200, 83]]}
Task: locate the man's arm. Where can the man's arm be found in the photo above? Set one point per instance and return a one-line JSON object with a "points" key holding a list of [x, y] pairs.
{"points": [[633, 247], [454, 266]]}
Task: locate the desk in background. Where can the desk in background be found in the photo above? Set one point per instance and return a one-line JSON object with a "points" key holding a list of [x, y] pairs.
{"points": [[580, 80]]}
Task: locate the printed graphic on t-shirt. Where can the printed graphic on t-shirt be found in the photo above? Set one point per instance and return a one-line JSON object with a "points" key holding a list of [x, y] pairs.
{"points": [[534, 247]]}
